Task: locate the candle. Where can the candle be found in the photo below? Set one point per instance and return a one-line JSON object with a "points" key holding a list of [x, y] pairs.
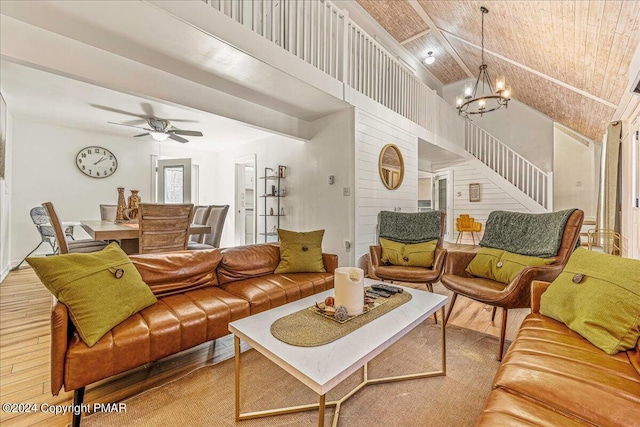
{"points": [[349, 289]]}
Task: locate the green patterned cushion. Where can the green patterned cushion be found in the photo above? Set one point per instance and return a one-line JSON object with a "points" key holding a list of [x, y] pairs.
{"points": [[414, 255], [502, 266], [538, 235], [300, 252], [100, 289], [597, 296]]}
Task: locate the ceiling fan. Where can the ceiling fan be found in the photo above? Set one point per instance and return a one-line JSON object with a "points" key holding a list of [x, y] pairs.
{"points": [[161, 130]]}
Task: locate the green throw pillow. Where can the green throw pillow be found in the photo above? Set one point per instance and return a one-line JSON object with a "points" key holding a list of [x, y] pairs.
{"points": [[413, 254], [502, 266], [300, 252], [597, 296], [88, 284]]}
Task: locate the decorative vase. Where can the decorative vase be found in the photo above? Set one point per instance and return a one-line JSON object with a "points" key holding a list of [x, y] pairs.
{"points": [[134, 199], [122, 205], [349, 289]]}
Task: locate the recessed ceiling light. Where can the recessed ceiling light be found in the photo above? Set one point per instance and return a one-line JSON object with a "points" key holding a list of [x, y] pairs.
{"points": [[430, 59]]}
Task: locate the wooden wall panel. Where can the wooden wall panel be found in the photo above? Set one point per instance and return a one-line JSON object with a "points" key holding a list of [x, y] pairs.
{"points": [[586, 44], [445, 68], [576, 111], [397, 17]]}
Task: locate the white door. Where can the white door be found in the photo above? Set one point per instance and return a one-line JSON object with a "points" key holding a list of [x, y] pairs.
{"points": [[443, 199], [245, 196], [174, 181]]}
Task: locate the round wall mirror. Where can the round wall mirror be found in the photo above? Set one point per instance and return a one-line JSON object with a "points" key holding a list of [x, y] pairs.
{"points": [[391, 166]]}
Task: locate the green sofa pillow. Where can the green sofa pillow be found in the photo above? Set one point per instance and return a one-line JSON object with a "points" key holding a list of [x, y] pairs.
{"points": [[502, 266], [300, 252], [100, 289], [597, 296], [410, 254]]}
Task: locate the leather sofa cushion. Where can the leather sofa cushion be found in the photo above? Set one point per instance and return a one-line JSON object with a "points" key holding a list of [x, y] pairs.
{"points": [[173, 324], [559, 369], [274, 290], [175, 272], [244, 262], [506, 409]]}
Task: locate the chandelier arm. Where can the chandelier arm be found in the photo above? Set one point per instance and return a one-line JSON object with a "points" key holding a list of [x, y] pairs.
{"points": [[486, 76]]}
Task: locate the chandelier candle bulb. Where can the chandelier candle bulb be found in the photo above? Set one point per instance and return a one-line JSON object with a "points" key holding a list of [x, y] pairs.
{"points": [[349, 289], [500, 83]]}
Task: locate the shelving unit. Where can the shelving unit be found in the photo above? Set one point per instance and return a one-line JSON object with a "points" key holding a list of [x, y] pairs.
{"points": [[273, 192]]}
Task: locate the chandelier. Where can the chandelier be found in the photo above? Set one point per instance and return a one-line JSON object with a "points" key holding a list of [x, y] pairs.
{"points": [[482, 98]]}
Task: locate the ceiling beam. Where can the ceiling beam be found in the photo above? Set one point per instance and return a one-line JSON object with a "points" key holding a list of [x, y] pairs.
{"points": [[417, 36], [537, 73], [438, 33]]}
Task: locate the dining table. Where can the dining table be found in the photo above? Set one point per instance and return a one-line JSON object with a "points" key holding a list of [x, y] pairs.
{"points": [[126, 233]]}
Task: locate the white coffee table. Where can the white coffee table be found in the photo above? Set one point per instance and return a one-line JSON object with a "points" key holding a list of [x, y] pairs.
{"points": [[323, 367]]}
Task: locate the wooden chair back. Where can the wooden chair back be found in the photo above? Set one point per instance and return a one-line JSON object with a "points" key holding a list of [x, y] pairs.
{"points": [[164, 227], [54, 219]]}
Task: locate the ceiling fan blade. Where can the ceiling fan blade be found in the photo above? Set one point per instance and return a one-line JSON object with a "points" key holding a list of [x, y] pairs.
{"points": [[142, 134], [178, 138], [185, 132], [115, 110], [131, 126]]}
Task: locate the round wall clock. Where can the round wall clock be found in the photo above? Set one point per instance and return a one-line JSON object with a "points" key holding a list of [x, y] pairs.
{"points": [[96, 162]]}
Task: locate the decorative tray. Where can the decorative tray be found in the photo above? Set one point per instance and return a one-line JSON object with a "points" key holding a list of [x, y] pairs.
{"points": [[319, 309]]}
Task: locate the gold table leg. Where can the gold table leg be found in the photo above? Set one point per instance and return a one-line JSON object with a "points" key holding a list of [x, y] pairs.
{"points": [[322, 404]]}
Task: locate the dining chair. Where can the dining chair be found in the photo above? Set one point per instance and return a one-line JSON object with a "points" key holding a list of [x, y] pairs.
{"points": [[215, 220], [70, 246], [108, 212], [164, 227], [200, 215]]}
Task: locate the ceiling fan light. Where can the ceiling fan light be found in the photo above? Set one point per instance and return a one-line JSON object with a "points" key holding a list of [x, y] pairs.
{"points": [[159, 136], [430, 59]]}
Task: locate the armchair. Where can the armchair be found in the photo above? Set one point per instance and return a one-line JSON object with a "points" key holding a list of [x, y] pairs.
{"points": [[517, 293], [432, 225]]}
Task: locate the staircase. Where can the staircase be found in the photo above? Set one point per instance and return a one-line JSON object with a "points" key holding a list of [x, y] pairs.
{"points": [[511, 166]]}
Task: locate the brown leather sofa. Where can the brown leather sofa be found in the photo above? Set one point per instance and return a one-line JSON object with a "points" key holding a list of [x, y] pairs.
{"points": [[551, 376], [199, 293]]}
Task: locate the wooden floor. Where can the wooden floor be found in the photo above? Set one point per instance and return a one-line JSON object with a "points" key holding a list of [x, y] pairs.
{"points": [[25, 306]]}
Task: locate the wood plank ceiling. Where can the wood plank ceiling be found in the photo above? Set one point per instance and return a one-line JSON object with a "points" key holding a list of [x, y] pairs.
{"points": [[568, 59]]}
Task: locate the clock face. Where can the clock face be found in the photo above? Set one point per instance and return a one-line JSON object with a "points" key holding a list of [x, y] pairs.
{"points": [[96, 162]]}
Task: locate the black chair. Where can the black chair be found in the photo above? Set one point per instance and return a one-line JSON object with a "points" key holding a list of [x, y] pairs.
{"points": [[47, 234]]}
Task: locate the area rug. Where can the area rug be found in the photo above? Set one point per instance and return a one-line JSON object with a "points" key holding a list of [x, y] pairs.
{"points": [[205, 397]]}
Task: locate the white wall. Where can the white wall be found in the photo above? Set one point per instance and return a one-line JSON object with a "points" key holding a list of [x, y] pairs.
{"points": [[44, 169], [371, 196], [310, 202], [492, 198], [5, 192], [574, 181], [525, 130]]}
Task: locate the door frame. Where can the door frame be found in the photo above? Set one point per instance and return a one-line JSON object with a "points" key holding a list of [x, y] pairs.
{"points": [[446, 174], [240, 195]]}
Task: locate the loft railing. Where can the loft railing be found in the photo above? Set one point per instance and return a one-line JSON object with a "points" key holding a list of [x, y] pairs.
{"points": [[324, 36], [510, 165]]}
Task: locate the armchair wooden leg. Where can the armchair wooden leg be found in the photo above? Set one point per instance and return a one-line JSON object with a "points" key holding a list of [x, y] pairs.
{"points": [[493, 313], [502, 332], [453, 301]]}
